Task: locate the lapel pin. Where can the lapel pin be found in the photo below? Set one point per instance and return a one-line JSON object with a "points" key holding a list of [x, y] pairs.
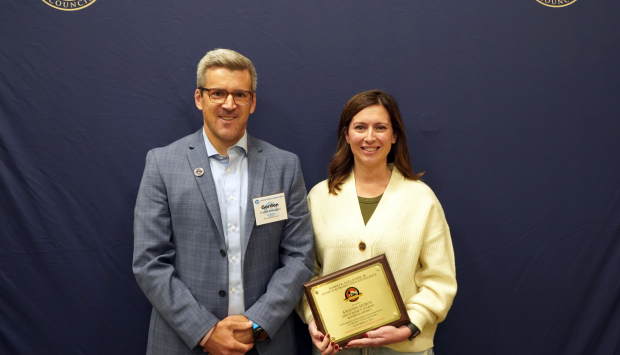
{"points": [[199, 171]]}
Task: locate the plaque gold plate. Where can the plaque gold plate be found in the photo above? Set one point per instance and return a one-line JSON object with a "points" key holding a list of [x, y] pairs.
{"points": [[348, 303]]}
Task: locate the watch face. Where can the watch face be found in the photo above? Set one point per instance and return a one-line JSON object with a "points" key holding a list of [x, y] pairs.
{"points": [[259, 334]]}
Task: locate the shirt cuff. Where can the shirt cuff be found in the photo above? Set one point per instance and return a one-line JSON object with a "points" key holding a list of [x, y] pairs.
{"points": [[204, 340]]}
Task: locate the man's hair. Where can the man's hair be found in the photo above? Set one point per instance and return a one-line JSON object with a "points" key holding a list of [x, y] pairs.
{"points": [[343, 160], [224, 58]]}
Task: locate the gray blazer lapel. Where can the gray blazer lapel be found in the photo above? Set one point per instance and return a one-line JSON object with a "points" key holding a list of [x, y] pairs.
{"points": [[198, 158], [256, 175]]}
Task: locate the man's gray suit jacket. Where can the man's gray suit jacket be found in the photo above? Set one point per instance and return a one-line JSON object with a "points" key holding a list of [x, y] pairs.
{"points": [[180, 252]]}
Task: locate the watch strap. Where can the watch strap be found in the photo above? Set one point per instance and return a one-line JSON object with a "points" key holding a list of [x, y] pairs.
{"points": [[414, 330]]}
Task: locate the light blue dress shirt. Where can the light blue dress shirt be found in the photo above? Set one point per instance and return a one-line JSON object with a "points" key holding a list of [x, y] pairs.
{"points": [[231, 183]]}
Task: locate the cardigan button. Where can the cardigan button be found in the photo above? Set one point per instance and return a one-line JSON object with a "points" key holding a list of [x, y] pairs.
{"points": [[222, 293], [362, 246]]}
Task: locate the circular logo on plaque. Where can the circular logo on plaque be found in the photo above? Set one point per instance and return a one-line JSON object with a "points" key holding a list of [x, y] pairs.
{"points": [[69, 5], [352, 294], [556, 3]]}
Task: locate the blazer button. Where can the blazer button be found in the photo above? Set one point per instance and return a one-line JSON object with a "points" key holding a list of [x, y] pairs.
{"points": [[222, 293], [362, 246], [222, 252]]}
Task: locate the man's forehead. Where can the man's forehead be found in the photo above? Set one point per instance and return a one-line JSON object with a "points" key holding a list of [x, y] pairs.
{"points": [[220, 73], [227, 71]]}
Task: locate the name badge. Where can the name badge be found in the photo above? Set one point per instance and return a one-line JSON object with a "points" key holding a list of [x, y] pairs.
{"points": [[269, 209]]}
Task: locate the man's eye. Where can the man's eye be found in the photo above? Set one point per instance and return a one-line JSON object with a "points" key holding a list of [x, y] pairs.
{"points": [[217, 93], [241, 95]]}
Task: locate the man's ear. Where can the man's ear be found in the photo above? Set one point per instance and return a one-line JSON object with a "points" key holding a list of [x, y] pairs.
{"points": [[198, 99], [253, 103]]}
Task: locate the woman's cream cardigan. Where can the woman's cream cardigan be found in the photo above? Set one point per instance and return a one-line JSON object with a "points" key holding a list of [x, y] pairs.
{"points": [[409, 227]]}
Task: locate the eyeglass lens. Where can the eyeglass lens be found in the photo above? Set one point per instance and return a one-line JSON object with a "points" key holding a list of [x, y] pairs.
{"points": [[240, 97]]}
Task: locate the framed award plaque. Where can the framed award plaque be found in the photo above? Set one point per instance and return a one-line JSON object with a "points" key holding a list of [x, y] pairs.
{"points": [[352, 301]]}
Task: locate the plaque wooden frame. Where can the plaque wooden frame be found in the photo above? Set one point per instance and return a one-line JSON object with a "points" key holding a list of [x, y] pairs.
{"points": [[381, 259]]}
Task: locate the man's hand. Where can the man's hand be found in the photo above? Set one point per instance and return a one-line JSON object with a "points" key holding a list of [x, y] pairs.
{"points": [[224, 341], [242, 336]]}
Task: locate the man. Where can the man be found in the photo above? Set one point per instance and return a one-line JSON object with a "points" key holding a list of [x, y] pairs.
{"points": [[222, 275]]}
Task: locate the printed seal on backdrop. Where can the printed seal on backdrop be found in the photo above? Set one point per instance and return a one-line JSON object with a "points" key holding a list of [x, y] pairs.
{"points": [[556, 3], [69, 5]]}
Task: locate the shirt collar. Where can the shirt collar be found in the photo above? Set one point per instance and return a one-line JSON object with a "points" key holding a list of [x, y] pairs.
{"points": [[242, 144]]}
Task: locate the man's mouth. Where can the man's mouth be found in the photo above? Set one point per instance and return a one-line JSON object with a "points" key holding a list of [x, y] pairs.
{"points": [[227, 118]]}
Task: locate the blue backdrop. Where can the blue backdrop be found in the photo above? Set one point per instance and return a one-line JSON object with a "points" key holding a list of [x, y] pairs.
{"points": [[511, 108]]}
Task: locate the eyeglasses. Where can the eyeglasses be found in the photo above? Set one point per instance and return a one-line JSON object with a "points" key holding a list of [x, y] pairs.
{"points": [[218, 96]]}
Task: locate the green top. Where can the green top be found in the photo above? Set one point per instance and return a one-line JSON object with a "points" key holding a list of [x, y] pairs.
{"points": [[368, 206]]}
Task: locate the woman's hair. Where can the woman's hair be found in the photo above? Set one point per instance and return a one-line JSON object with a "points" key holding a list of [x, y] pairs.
{"points": [[342, 162]]}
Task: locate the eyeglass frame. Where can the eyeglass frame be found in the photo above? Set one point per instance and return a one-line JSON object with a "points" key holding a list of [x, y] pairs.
{"points": [[229, 93]]}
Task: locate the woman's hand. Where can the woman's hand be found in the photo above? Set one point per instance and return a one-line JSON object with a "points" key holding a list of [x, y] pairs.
{"points": [[321, 341], [380, 337]]}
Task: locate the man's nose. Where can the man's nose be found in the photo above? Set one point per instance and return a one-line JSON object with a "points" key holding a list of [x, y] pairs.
{"points": [[229, 103]]}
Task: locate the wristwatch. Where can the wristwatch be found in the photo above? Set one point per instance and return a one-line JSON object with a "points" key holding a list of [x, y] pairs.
{"points": [[259, 334], [414, 330]]}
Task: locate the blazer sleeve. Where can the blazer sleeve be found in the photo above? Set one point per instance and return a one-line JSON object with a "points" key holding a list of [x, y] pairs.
{"points": [[296, 259], [153, 258]]}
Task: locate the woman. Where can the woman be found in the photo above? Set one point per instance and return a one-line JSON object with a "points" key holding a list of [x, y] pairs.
{"points": [[368, 207]]}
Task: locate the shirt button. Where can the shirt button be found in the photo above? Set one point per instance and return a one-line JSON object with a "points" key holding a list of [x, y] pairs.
{"points": [[228, 170], [222, 293], [233, 228], [362, 246], [233, 290], [234, 258], [231, 197], [222, 252]]}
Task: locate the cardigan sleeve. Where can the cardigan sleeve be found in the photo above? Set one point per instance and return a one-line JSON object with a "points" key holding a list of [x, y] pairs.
{"points": [[303, 308], [436, 274]]}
